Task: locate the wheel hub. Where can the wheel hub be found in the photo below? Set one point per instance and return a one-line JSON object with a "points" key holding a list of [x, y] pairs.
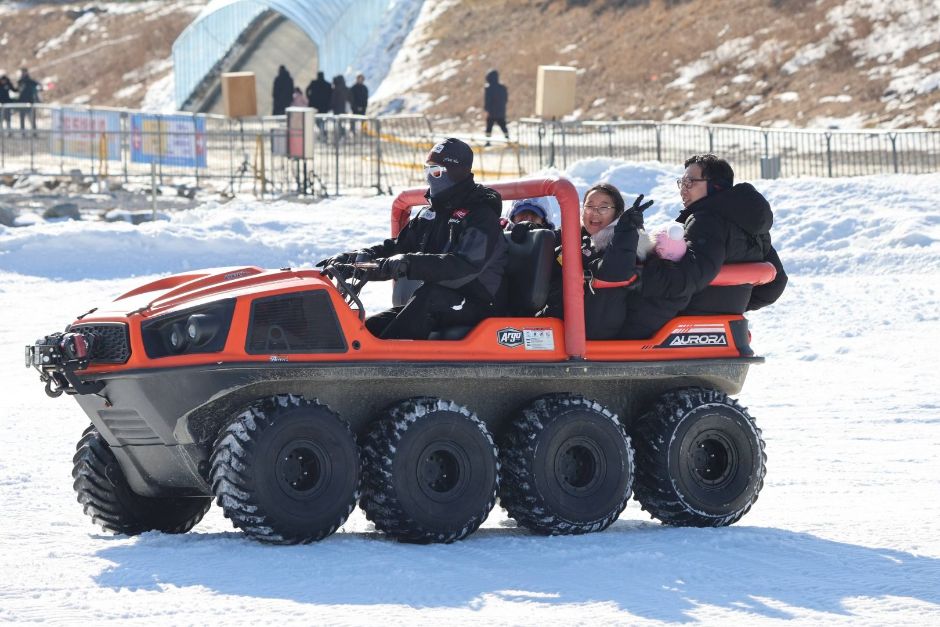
{"points": [[578, 466], [300, 468], [442, 471], [713, 459]]}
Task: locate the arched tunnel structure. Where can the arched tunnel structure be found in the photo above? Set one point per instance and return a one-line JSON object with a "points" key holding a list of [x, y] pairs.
{"points": [[327, 35]]}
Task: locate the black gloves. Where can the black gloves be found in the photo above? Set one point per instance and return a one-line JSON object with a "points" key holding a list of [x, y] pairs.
{"points": [[519, 230], [395, 267], [345, 258], [632, 218]]}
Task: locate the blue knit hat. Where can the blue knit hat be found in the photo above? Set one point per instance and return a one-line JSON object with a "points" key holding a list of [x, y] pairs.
{"points": [[534, 205]]}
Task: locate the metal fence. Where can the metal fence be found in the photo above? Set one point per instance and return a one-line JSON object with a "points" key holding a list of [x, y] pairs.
{"points": [[754, 152], [349, 152], [386, 153]]}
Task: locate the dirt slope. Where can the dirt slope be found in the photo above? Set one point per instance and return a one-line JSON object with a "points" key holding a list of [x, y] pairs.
{"points": [[788, 62], [101, 53]]}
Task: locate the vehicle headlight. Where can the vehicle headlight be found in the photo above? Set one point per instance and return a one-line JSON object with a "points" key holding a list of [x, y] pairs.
{"points": [[201, 328], [198, 330]]}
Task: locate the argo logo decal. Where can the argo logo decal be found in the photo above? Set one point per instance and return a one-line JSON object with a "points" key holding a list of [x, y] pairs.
{"points": [[696, 335], [509, 337]]}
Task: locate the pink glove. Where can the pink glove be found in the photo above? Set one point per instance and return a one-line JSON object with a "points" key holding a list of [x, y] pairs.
{"points": [[670, 243]]}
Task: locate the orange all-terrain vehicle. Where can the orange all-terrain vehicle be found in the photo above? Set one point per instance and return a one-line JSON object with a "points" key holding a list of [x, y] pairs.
{"points": [[264, 390]]}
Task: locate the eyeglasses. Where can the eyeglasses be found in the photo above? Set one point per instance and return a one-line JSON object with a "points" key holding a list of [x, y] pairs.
{"points": [[436, 171], [601, 210], [686, 182]]}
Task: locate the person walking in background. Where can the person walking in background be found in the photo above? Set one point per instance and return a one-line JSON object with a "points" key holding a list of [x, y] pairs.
{"points": [[6, 86], [320, 94], [340, 96], [299, 100], [359, 95], [495, 97], [28, 90], [339, 103], [283, 91]]}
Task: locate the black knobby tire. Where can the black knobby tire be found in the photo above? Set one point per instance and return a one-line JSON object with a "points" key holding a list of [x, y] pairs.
{"points": [[286, 470], [567, 466], [700, 459], [107, 498], [430, 472]]}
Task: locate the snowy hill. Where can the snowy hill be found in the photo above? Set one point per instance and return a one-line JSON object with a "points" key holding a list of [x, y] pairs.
{"points": [[846, 531]]}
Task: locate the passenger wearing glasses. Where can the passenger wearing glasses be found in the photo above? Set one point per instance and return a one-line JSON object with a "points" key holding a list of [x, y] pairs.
{"points": [[724, 223], [610, 237], [455, 246]]}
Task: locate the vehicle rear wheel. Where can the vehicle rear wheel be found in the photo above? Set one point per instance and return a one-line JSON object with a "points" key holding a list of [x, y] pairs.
{"points": [[700, 459], [286, 470], [107, 498], [430, 472], [567, 466]]}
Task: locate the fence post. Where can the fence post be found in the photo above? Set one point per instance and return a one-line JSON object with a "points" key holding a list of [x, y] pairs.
{"points": [[160, 146], [766, 143], [829, 153], [125, 143], [231, 155], [894, 150], [378, 153], [610, 141], [32, 156], [711, 140], [659, 143], [195, 151], [3, 134], [338, 124], [92, 142]]}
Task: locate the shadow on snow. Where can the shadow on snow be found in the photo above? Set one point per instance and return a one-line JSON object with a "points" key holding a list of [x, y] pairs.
{"points": [[644, 569]]}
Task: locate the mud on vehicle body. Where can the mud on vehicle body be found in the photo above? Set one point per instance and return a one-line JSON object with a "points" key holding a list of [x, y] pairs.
{"points": [[263, 390]]}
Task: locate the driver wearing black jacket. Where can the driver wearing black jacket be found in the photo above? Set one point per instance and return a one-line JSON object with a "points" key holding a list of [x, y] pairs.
{"points": [[724, 223], [455, 246]]}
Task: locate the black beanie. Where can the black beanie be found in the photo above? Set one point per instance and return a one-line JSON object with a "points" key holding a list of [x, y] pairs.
{"points": [[454, 155]]}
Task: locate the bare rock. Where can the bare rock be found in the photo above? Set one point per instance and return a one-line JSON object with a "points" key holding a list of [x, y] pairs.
{"points": [[62, 210], [7, 216]]}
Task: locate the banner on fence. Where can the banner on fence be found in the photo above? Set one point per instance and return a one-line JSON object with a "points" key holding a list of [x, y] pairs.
{"points": [[87, 134], [173, 140]]}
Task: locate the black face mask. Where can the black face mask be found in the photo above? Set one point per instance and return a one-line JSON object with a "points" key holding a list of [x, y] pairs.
{"points": [[439, 184]]}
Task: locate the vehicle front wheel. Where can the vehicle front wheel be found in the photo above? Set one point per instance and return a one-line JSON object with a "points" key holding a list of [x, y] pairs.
{"points": [[107, 498], [286, 470], [700, 459]]}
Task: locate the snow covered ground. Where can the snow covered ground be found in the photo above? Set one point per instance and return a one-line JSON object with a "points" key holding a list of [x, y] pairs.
{"points": [[846, 531]]}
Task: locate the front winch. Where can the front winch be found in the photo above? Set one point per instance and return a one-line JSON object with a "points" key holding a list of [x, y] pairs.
{"points": [[57, 357]]}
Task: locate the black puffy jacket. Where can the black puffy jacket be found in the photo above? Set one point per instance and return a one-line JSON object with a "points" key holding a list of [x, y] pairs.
{"points": [[457, 242], [495, 96], [729, 227], [608, 255]]}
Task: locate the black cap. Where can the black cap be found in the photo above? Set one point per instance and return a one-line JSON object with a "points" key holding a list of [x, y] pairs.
{"points": [[454, 155]]}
